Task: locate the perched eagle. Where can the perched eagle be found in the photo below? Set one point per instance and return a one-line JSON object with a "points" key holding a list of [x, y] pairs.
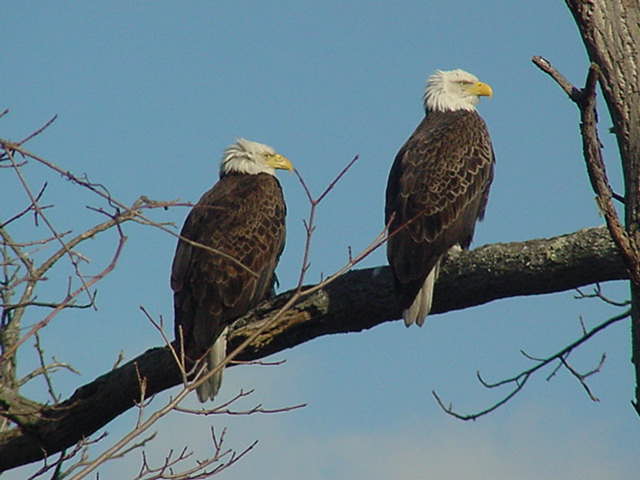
{"points": [[438, 188], [240, 227]]}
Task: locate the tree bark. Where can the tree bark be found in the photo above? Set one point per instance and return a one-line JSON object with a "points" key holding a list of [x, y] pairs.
{"points": [[359, 300], [610, 30]]}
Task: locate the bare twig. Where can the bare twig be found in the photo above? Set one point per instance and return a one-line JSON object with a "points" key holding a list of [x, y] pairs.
{"points": [[50, 367], [38, 131], [521, 378], [178, 357], [27, 209], [224, 409], [80, 447], [13, 306], [66, 301], [581, 377], [597, 293], [39, 213], [572, 92], [45, 371], [223, 457]]}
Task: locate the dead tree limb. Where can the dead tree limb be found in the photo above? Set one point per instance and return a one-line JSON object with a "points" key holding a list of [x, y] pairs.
{"points": [[610, 30], [359, 300]]}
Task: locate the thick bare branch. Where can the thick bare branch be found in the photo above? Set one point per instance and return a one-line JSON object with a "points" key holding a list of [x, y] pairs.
{"points": [[610, 30], [359, 300], [585, 99]]}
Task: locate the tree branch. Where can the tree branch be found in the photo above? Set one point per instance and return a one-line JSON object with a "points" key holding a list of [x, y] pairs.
{"points": [[610, 32], [359, 300], [519, 380], [585, 99]]}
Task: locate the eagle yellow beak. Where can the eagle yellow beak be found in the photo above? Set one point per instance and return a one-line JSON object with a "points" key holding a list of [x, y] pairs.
{"points": [[279, 162], [481, 89]]}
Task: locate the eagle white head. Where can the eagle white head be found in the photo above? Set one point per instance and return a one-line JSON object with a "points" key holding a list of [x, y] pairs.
{"points": [[454, 90], [252, 158]]}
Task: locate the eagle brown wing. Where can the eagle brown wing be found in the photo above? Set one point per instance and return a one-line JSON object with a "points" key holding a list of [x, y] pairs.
{"points": [[438, 188], [243, 218]]}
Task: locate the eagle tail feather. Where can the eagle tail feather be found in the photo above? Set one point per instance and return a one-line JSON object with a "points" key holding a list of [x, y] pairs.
{"points": [[421, 306], [209, 389]]}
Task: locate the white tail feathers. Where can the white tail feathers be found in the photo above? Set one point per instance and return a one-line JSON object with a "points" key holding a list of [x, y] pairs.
{"points": [[209, 389], [419, 309]]}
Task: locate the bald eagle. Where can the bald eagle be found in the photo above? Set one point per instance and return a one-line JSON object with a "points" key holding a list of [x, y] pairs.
{"points": [[438, 188], [242, 221]]}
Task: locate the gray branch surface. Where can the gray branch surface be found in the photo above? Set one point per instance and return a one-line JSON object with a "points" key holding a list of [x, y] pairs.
{"points": [[359, 300]]}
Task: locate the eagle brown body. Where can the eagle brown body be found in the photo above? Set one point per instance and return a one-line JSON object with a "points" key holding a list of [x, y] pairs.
{"points": [[437, 190], [242, 220]]}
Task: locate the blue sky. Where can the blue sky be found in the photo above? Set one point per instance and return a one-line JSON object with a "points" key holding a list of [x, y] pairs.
{"points": [[148, 94]]}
